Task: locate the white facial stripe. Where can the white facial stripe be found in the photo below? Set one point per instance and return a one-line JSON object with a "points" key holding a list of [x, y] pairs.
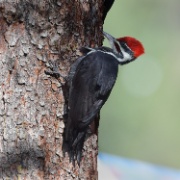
{"points": [[112, 54], [126, 56]]}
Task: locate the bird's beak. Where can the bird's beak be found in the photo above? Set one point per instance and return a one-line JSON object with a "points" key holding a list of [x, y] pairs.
{"points": [[110, 38], [114, 44]]}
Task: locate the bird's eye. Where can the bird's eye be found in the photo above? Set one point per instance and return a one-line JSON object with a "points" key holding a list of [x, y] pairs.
{"points": [[127, 49]]}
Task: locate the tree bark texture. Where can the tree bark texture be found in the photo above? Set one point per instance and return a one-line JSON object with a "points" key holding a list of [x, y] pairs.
{"points": [[32, 104]]}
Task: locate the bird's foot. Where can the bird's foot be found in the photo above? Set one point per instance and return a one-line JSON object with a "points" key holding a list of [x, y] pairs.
{"points": [[54, 71]]}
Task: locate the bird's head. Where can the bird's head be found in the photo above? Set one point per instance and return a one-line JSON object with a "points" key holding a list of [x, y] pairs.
{"points": [[126, 49]]}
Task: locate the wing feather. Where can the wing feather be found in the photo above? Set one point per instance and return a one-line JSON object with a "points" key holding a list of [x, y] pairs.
{"points": [[90, 87]]}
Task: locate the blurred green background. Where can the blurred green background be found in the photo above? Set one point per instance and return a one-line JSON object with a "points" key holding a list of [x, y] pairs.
{"points": [[141, 119]]}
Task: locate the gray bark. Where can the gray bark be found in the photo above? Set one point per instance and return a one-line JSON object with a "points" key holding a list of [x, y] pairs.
{"points": [[32, 104]]}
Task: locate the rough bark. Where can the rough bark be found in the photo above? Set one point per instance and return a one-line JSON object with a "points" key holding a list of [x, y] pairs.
{"points": [[32, 104]]}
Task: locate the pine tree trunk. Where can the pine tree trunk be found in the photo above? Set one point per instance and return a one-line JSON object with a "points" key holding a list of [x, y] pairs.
{"points": [[32, 104]]}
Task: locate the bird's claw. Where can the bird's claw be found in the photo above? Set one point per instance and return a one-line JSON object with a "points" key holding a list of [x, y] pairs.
{"points": [[54, 71]]}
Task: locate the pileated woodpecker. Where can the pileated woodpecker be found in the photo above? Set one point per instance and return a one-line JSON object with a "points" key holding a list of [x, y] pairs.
{"points": [[92, 78], [107, 6]]}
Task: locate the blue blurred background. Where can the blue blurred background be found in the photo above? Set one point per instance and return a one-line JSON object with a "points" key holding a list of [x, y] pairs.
{"points": [[141, 119]]}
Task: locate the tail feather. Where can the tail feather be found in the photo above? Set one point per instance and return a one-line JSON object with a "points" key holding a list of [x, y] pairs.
{"points": [[75, 137], [74, 147], [79, 149]]}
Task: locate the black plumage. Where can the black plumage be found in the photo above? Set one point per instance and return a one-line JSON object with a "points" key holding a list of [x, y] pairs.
{"points": [[91, 80]]}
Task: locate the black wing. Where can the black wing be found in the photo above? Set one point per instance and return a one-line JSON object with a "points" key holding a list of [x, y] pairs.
{"points": [[90, 87]]}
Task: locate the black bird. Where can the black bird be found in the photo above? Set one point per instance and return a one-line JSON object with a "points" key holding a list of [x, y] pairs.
{"points": [[91, 80]]}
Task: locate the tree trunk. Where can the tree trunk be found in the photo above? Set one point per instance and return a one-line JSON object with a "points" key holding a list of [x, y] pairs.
{"points": [[33, 105]]}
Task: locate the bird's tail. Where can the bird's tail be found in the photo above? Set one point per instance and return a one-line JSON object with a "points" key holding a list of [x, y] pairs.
{"points": [[74, 138], [74, 147]]}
